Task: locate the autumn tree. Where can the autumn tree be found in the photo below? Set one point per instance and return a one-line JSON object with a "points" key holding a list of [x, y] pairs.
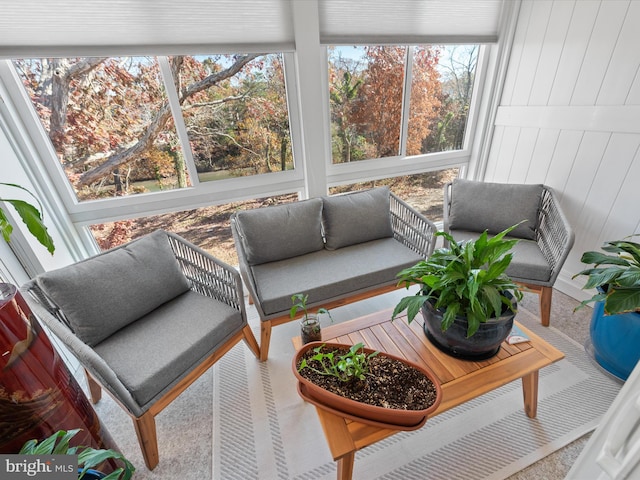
{"points": [[103, 114], [345, 80], [458, 77], [379, 103]]}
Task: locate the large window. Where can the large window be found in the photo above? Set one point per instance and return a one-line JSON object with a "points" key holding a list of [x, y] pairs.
{"points": [[128, 125], [389, 101]]}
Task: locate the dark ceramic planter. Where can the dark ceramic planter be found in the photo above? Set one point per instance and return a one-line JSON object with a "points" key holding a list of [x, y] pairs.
{"points": [[402, 419], [485, 343]]}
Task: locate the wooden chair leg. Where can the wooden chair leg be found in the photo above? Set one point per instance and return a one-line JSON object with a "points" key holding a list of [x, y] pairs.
{"points": [[265, 338], [95, 391], [146, 431], [251, 341], [545, 305]]}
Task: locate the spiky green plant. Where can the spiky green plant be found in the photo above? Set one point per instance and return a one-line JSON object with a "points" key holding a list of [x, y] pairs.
{"points": [[58, 444], [617, 276], [465, 279]]}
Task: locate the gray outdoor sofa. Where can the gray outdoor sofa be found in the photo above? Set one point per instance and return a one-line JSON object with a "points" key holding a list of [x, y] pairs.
{"points": [[337, 249]]}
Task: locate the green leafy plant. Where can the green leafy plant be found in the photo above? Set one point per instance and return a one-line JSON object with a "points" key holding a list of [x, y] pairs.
{"points": [[30, 215], [299, 301], [58, 444], [348, 367], [465, 279], [617, 276]]}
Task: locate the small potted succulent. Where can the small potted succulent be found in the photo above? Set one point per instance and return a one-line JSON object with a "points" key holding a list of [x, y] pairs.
{"points": [[310, 328], [467, 300], [88, 458], [615, 322]]}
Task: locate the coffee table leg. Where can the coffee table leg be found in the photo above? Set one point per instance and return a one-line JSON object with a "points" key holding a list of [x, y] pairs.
{"points": [[530, 393], [345, 466]]}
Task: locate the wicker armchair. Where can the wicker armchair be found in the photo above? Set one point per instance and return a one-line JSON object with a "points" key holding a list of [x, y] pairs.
{"points": [[145, 320], [545, 237]]}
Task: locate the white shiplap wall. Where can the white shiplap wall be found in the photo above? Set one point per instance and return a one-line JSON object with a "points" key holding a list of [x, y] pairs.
{"points": [[569, 117]]}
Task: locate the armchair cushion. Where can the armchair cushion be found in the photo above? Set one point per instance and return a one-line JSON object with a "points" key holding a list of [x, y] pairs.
{"points": [[299, 231], [104, 293], [356, 217], [528, 264], [479, 206], [177, 347]]}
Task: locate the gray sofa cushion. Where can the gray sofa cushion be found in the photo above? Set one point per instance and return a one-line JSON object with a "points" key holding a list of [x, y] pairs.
{"points": [[480, 206], [281, 231], [356, 217], [330, 274], [528, 264], [106, 292], [185, 331]]}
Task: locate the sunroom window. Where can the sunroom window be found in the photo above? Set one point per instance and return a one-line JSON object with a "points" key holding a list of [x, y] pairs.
{"points": [[129, 125], [390, 101]]}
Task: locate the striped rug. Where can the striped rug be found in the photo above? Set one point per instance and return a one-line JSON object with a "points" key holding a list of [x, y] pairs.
{"points": [[244, 420]]}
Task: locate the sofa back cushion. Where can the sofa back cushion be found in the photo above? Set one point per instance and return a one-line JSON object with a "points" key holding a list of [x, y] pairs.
{"points": [[479, 206], [106, 292], [282, 231], [356, 217]]}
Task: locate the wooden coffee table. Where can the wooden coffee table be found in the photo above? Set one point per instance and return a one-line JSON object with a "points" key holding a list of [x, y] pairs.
{"points": [[461, 380]]}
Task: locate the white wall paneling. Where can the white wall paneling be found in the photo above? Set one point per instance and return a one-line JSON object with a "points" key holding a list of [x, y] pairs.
{"points": [[569, 117]]}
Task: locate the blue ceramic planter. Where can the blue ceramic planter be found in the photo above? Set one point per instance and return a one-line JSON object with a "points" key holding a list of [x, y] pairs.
{"points": [[616, 341]]}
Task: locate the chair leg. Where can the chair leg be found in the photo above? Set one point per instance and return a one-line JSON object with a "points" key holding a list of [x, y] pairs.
{"points": [[251, 341], [146, 431], [95, 390], [265, 338], [545, 305]]}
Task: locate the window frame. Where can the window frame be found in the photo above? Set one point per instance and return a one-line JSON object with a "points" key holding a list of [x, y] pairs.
{"points": [[85, 213], [378, 168]]}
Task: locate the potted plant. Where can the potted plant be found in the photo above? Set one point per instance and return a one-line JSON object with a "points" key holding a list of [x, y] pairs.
{"points": [[615, 322], [310, 328], [467, 301], [58, 444], [367, 385]]}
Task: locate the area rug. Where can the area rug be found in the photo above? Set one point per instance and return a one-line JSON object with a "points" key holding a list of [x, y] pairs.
{"points": [[244, 420]]}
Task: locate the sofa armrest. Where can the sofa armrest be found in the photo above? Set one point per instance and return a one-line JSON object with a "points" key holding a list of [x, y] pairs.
{"points": [[554, 234], [411, 228], [208, 275], [243, 264]]}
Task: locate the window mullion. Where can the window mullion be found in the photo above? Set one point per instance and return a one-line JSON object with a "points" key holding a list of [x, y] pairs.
{"points": [[176, 112], [406, 99]]}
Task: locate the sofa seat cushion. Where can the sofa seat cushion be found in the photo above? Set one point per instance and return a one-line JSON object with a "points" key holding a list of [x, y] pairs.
{"points": [[330, 274], [528, 263], [356, 217], [479, 206], [185, 331], [273, 233], [106, 292]]}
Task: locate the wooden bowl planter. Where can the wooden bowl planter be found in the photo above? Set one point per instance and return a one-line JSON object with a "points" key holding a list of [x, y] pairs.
{"points": [[396, 418]]}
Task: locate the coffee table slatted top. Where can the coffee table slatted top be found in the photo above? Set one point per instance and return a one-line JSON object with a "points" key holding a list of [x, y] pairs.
{"points": [[408, 341]]}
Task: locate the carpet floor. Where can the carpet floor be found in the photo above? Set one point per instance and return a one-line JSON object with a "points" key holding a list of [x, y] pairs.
{"points": [[244, 420]]}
